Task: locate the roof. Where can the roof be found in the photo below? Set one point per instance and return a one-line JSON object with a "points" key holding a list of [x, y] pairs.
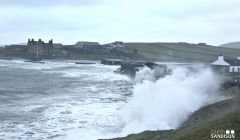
{"points": [[120, 42], [220, 61], [83, 43], [233, 62], [57, 45], [16, 46]]}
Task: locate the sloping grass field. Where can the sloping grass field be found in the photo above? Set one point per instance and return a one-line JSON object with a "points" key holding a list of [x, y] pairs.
{"points": [[180, 51]]}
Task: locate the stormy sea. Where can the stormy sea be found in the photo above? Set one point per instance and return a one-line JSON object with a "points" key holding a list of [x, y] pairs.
{"points": [[62, 100]]}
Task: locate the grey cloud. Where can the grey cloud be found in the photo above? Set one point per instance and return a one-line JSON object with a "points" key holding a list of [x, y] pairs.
{"points": [[208, 21], [47, 24], [49, 3], [196, 9]]}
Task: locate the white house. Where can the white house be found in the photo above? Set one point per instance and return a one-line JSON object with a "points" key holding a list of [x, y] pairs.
{"points": [[232, 65]]}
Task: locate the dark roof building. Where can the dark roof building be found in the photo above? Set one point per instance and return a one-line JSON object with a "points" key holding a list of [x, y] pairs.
{"points": [[233, 62], [82, 44]]}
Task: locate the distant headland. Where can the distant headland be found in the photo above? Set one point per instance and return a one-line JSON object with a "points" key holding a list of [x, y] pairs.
{"points": [[156, 51], [80, 50]]}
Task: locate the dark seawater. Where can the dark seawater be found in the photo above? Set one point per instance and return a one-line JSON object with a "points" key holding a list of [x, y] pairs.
{"points": [[60, 100]]}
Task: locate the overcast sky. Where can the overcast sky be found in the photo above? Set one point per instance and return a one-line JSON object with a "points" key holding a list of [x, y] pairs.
{"points": [[68, 21]]}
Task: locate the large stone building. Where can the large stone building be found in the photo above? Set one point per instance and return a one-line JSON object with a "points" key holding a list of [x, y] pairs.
{"points": [[39, 48]]}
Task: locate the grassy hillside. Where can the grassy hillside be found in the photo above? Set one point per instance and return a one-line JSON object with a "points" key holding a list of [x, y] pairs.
{"points": [[223, 115], [235, 45], [180, 51]]}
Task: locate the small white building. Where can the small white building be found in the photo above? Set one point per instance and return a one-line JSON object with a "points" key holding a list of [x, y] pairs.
{"points": [[231, 65]]}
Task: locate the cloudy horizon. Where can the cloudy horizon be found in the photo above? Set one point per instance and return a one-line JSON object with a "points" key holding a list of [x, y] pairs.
{"points": [[68, 21]]}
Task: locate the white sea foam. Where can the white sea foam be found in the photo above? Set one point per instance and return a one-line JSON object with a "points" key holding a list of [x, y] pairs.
{"points": [[166, 103], [94, 72], [35, 66]]}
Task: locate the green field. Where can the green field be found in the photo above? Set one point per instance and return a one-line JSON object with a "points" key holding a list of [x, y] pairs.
{"points": [[180, 51]]}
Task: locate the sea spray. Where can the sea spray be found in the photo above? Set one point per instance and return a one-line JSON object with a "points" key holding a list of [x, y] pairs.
{"points": [[167, 102], [144, 74]]}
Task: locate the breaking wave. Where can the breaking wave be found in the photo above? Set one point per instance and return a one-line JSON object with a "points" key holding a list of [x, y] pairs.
{"points": [[167, 102]]}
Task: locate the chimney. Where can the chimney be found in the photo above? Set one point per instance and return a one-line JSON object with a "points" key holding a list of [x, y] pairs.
{"points": [[220, 57], [28, 41]]}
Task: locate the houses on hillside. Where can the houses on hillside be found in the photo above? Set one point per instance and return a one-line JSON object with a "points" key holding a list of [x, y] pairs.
{"points": [[39, 48], [117, 44], [227, 65], [88, 44]]}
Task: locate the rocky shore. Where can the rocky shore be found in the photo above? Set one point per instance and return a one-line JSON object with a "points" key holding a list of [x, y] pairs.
{"points": [[222, 115]]}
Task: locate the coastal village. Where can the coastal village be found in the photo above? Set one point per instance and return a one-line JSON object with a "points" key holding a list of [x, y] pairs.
{"points": [[91, 50], [51, 50], [110, 54]]}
